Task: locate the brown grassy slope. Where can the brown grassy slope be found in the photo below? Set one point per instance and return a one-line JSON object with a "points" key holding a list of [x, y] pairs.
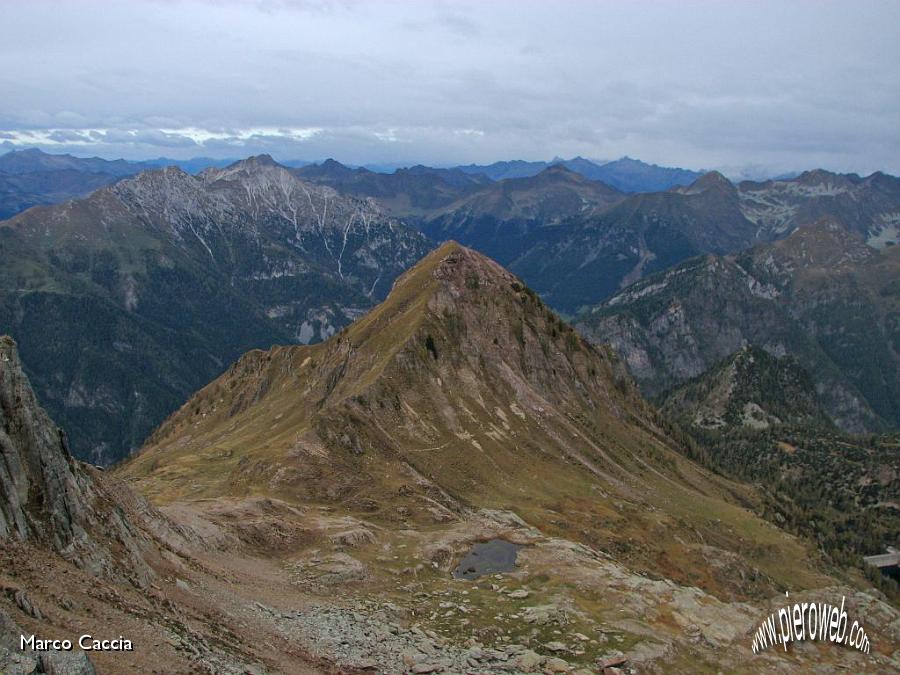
{"points": [[463, 391]]}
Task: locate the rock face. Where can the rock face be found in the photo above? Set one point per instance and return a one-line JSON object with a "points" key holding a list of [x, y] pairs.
{"points": [[162, 279], [14, 661], [42, 492], [821, 296], [869, 207], [49, 500], [80, 554]]}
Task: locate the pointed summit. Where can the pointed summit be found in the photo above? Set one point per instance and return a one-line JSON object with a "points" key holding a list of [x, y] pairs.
{"points": [[253, 163], [332, 164], [561, 170], [264, 159], [461, 357], [711, 180]]}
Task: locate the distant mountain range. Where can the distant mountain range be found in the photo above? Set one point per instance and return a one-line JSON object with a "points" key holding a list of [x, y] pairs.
{"points": [[821, 296], [626, 174], [407, 193], [32, 160], [577, 242], [500, 219], [598, 239], [126, 301], [33, 177]]}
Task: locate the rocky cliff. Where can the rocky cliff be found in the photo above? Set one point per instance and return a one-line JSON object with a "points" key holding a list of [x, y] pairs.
{"points": [[42, 489], [821, 296]]}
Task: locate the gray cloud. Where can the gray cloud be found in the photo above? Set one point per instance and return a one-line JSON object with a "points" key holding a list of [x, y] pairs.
{"points": [[698, 84]]}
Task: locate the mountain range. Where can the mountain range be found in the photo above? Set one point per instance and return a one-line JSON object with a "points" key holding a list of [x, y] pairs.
{"points": [[600, 240], [128, 300], [626, 174], [144, 275], [577, 242], [32, 177], [821, 295]]}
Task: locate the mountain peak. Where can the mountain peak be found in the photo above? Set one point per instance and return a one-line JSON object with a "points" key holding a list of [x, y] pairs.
{"points": [[712, 179], [453, 270], [457, 332], [264, 158], [559, 169], [256, 167], [256, 162], [555, 173], [815, 176]]}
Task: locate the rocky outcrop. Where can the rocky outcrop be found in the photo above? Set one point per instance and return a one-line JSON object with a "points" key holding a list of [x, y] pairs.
{"points": [[50, 500], [42, 492], [14, 661]]}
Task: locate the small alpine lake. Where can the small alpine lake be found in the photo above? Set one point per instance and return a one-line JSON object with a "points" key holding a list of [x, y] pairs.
{"points": [[488, 557]]}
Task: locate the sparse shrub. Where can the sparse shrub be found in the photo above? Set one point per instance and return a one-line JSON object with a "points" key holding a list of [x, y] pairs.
{"points": [[430, 346], [519, 331]]}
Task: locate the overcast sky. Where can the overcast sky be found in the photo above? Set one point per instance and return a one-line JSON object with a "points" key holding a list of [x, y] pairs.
{"points": [[767, 85]]}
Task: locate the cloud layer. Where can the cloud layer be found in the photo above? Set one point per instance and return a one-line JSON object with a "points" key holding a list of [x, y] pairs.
{"points": [[703, 84]]}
